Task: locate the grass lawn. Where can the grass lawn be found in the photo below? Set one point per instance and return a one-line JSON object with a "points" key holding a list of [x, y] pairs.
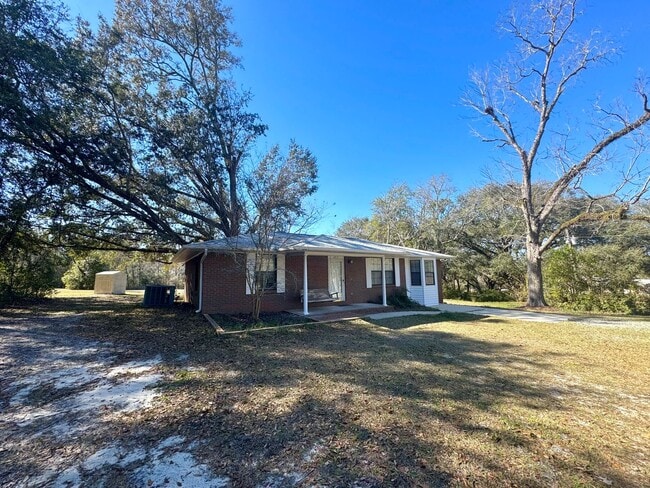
{"points": [[510, 305], [231, 323], [444, 400], [65, 293]]}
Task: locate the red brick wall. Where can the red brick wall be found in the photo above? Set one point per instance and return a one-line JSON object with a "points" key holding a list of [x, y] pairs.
{"points": [[317, 276], [224, 283], [224, 287], [355, 282]]}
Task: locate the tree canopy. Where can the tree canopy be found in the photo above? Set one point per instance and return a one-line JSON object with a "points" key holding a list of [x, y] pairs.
{"points": [[482, 228], [134, 137]]}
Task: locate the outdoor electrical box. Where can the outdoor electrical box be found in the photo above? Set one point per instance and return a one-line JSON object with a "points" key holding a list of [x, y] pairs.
{"points": [[159, 296]]}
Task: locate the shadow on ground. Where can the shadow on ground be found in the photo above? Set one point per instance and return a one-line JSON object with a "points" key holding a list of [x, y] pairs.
{"points": [[381, 403]]}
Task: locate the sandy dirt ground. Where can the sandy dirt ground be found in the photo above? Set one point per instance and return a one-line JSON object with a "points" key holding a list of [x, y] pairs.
{"points": [[67, 411]]}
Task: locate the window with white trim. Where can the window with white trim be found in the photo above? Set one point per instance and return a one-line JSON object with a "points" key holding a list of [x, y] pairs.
{"points": [[375, 271], [416, 272], [429, 273], [266, 276]]}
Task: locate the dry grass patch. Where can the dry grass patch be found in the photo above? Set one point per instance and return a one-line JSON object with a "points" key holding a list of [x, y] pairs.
{"points": [[510, 305], [446, 400]]}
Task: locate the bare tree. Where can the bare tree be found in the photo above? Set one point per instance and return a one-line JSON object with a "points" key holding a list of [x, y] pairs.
{"points": [[277, 190], [521, 100], [433, 201]]}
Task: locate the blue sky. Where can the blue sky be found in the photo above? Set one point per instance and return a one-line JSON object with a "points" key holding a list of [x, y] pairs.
{"points": [[373, 87]]}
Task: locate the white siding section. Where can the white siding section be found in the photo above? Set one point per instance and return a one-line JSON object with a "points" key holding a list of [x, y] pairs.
{"points": [[280, 274], [415, 292], [426, 295], [431, 296], [250, 271]]}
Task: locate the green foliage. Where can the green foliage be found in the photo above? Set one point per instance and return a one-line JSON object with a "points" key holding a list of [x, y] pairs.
{"points": [[401, 301], [27, 272], [456, 294], [81, 274], [486, 295], [415, 217], [598, 278], [358, 227], [492, 296], [165, 165], [140, 270]]}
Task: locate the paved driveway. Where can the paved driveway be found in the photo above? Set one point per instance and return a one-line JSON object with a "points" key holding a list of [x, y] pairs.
{"points": [[527, 316]]}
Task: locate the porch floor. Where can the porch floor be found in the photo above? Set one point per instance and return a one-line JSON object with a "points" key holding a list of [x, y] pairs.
{"points": [[351, 310]]}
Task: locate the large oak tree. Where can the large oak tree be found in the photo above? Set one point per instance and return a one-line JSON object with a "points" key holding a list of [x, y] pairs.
{"points": [[139, 131]]}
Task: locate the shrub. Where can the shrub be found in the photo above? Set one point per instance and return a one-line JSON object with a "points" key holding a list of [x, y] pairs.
{"points": [[81, 273], [492, 296], [595, 279], [455, 294], [400, 300], [27, 273]]}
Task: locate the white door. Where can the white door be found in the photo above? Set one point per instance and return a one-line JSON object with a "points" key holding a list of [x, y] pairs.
{"points": [[337, 277]]}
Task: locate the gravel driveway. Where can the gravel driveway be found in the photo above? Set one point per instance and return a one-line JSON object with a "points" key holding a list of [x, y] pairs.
{"points": [[67, 411]]}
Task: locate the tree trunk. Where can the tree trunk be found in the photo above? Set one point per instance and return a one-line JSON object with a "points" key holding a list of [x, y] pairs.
{"points": [[257, 306], [534, 273]]}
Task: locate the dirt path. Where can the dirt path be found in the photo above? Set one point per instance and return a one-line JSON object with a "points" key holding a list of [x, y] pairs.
{"points": [[67, 411]]}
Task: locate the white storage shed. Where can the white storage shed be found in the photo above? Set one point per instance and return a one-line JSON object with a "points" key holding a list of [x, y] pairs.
{"points": [[110, 283]]}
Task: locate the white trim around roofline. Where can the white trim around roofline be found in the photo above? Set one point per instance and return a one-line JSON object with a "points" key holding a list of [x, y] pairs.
{"points": [[366, 254]]}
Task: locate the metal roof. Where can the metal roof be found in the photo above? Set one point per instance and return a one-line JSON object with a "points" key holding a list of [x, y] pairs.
{"points": [[311, 244]]}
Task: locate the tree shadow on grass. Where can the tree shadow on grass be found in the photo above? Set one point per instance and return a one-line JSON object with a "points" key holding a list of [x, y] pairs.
{"points": [[408, 321], [341, 404]]}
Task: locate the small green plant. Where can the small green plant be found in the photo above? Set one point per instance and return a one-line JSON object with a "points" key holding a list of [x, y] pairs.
{"points": [[400, 300]]}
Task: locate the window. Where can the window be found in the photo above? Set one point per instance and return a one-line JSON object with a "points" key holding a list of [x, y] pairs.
{"points": [[266, 277], [429, 273], [416, 273], [375, 271]]}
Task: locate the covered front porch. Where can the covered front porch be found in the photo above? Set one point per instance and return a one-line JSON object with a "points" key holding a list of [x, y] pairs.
{"points": [[341, 311], [345, 282]]}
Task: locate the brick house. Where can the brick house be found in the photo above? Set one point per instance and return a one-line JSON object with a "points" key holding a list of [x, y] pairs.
{"points": [[220, 275]]}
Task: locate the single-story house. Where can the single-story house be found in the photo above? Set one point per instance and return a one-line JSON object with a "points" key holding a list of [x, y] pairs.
{"points": [[326, 269]]}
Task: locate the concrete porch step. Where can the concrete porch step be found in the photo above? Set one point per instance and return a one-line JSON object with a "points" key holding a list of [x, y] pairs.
{"points": [[322, 314]]}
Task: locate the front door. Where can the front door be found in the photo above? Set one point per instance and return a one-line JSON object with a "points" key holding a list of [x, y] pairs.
{"points": [[337, 277]]}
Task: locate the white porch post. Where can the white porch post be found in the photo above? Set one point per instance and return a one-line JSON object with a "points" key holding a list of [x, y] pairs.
{"points": [[305, 289], [435, 277], [383, 282]]}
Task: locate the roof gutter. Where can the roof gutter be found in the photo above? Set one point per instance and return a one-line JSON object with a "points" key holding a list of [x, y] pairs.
{"points": [[205, 255]]}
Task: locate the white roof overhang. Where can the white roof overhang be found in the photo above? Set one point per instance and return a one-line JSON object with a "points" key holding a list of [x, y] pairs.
{"points": [[311, 245]]}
